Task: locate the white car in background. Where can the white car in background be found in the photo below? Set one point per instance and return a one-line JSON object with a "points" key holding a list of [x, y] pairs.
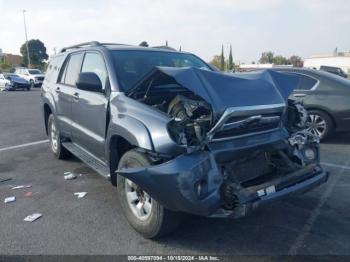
{"points": [[34, 76]]}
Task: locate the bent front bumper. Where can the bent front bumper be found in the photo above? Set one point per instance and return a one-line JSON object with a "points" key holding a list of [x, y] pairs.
{"points": [[192, 183]]}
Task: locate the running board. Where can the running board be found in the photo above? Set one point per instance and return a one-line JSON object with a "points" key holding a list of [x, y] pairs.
{"points": [[88, 159]]}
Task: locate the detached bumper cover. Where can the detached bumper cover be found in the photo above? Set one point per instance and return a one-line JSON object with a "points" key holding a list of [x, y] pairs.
{"points": [[175, 184]]}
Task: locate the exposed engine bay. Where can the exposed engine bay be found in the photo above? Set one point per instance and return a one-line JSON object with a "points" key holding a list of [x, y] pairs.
{"points": [[238, 154]]}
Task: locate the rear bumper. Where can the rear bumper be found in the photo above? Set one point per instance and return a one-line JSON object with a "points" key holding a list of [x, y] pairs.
{"points": [[192, 183]]}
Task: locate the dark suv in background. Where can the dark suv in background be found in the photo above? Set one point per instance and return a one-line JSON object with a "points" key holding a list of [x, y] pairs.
{"points": [[334, 70], [175, 136]]}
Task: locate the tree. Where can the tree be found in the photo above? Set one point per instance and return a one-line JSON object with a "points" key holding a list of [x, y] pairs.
{"points": [[296, 61], [230, 60], [280, 60], [37, 52], [144, 44], [216, 61], [222, 59], [266, 58], [4, 67]]}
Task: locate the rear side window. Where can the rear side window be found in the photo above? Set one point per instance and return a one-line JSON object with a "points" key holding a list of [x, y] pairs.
{"points": [[305, 82], [72, 69], [94, 63]]}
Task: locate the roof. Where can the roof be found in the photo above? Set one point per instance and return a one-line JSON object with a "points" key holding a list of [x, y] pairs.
{"points": [[116, 46]]}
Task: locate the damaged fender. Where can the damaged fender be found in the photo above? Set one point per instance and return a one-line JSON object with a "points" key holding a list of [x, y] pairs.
{"points": [[188, 183]]}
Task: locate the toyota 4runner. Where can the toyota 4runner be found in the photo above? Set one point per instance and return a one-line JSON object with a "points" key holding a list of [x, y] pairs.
{"points": [[176, 136]]}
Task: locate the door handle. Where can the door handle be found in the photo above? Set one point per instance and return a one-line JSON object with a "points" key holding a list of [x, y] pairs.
{"points": [[76, 96], [299, 95], [58, 90]]}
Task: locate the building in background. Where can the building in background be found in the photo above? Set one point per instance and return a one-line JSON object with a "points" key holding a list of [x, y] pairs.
{"points": [[10, 59], [335, 59], [252, 67]]}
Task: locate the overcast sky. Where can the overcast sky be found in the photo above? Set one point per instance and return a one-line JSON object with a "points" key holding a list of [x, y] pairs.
{"points": [[286, 27]]}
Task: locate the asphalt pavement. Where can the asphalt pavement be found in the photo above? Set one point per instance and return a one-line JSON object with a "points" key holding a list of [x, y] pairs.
{"points": [[316, 223]]}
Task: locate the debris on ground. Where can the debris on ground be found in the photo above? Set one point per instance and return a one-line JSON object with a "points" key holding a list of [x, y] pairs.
{"points": [[69, 176], [5, 180], [10, 199], [80, 194], [32, 217], [28, 194], [21, 186]]}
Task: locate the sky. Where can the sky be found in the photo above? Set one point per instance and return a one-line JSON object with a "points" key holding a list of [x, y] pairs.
{"points": [[286, 27]]}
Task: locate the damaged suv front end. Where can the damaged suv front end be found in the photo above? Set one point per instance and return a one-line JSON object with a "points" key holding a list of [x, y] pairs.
{"points": [[222, 145]]}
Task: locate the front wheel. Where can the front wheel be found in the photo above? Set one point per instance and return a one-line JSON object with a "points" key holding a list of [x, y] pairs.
{"points": [[144, 214], [32, 85]]}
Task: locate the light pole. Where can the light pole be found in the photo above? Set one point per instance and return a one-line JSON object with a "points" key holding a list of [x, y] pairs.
{"points": [[25, 31]]}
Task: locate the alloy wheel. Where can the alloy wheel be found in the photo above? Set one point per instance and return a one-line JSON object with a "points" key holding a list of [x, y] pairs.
{"points": [[316, 125]]}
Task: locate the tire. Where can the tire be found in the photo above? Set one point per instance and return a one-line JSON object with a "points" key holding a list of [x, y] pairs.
{"points": [[32, 85], [320, 124], [55, 139], [159, 220]]}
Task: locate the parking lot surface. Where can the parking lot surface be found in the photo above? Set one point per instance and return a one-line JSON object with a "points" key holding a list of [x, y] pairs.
{"points": [[317, 222]]}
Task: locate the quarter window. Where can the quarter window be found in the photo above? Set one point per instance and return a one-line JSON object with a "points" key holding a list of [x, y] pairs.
{"points": [[94, 63]]}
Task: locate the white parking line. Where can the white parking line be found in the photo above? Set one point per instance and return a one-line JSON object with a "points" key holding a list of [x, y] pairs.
{"points": [[334, 165], [23, 145], [305, 231]]}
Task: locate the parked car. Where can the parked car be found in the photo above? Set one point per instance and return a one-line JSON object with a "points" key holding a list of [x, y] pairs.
{"points": [[326, 97], [334, 70], [34, 76], [12, 82], [175, 136]]}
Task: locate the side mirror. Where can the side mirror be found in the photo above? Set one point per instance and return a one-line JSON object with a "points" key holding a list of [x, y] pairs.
{"points": [[90, 82]]}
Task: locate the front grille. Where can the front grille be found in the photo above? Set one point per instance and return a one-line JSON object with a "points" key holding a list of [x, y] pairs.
{"points": [[243, 130], [40, 78]]}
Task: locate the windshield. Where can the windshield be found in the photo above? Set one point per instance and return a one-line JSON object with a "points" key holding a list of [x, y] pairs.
{"points": [[34, 72], [131, 65]]}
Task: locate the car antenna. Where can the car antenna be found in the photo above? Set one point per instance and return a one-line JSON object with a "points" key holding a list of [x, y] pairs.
{"points": [[148, 89]]}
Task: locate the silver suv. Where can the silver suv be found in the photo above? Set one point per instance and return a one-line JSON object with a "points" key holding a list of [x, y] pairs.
{"points": [[175, 136], [34, 76]]}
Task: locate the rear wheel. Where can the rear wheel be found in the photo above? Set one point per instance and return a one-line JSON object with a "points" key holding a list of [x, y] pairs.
{"points": [[320, 124], [55, 140], [144, 214]]}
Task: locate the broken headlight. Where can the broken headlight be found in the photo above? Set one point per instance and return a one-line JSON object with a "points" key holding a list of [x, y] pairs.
{"points": [[191, 120]]}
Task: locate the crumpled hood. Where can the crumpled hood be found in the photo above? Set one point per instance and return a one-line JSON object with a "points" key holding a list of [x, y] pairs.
{"points": [[222, 91]]}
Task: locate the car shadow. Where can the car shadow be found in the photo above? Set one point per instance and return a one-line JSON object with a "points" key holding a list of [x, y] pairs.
{"points": [[271, 230]]}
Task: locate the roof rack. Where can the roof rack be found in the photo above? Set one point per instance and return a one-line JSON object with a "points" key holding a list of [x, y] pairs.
{"points": [[165, 47], [87, 44]]}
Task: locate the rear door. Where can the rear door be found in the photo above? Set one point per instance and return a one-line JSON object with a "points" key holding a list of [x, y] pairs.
{"points": [[89, 109], [64, 91]]}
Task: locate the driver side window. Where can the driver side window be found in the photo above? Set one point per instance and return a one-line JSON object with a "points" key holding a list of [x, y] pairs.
{"points": [[94, 63]]}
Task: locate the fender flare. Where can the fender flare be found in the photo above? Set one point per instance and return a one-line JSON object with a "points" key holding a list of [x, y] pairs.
{"points": [[130, 129]]}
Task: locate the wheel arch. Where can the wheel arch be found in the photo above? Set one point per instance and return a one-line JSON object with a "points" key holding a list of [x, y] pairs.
{"points": [[123, 137], [47, 112]]}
